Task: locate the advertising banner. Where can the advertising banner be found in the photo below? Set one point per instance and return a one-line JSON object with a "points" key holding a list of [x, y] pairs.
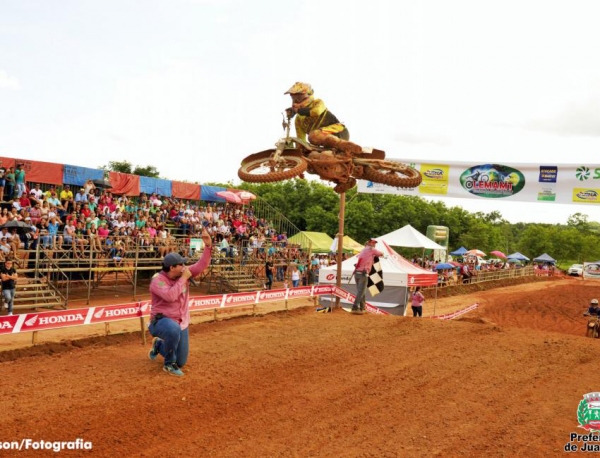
{"points": [[551, 183], [591, 270]]}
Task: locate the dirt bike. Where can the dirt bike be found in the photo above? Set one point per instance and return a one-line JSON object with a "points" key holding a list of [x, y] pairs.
{"points": [[593, 327], [293, 156]]}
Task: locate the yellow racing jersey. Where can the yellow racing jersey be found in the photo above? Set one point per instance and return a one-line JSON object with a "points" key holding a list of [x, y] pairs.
{"points": [[315, 116]]}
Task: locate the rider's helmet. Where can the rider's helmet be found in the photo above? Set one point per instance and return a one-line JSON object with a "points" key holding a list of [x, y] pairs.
{"points": [[300, 88], [594, 302]]}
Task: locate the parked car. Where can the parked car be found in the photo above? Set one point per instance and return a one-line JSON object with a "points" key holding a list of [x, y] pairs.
{"points": [[576, 270]]}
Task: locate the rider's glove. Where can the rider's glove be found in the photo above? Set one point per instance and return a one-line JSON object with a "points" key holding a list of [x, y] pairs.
{"points": [[290, 112]]}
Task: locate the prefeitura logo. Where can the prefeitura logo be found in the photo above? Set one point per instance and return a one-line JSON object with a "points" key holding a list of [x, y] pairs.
{"points": [[588, 412]]}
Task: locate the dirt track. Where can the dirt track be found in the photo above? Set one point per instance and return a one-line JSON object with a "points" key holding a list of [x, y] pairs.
{"points": [[505, 380]]}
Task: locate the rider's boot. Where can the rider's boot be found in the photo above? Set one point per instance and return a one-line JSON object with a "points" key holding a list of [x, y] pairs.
{"points": [[331, 141]]}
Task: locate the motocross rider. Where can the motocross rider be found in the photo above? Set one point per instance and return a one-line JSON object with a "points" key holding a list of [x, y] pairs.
{"points": [[313, 118]]}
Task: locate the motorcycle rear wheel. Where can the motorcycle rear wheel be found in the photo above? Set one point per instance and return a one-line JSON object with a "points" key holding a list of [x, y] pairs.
{"points": [[393, 174], [259, 168]]}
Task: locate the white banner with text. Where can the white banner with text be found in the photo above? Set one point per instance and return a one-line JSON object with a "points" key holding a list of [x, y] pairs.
{"points": [[547, 182]]}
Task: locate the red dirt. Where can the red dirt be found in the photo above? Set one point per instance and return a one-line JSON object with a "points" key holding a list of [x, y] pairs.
{"points": [[505, 380]]}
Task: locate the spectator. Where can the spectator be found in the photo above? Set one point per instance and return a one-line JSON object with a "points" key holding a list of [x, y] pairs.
{"points": [[170, 315], [2, 182], [269, 273], [81, 196], [10, 184], [36, 194], [9, 276], [295, 276], [20, 180], [362, 269], [89, 187], [66, 198], [417, 300]]}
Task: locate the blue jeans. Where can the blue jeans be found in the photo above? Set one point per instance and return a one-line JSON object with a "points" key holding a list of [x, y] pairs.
{"points": [[269, 281], [9, 297], [361, 290], [175, 345], [295, 283]]}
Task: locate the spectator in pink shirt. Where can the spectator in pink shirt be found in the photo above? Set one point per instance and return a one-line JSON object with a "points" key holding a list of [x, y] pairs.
{"points": [[361, 273], [170, 313]]}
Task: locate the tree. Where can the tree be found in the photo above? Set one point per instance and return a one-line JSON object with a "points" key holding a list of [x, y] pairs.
{"points": [[127, 167], [148, 171]]}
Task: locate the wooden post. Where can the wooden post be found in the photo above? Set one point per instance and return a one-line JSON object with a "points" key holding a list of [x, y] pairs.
{"points": [[34, 338], [215, 314], [143, 328], [340, 247], [107, 328]]}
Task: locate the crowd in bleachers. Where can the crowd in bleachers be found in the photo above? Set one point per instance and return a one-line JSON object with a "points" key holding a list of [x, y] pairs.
{"points": [[93, 220]]}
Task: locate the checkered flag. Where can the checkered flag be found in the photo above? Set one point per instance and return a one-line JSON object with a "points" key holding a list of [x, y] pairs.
{"points": [[375, 280]]}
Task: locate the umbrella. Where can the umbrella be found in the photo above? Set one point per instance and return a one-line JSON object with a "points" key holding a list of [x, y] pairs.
{"points": [[246, 195], [498, 253], [102, 183], [455, 264], [20, 226], [444, 265], [230, 197], [514, 261], [476, 253], [462, 250]]}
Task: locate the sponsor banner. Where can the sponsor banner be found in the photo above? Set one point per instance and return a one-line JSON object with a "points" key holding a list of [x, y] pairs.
{"points": [[301, 291], [8, 324], [343, 294], [319, 290], [450, 316], [552, 183], [234, 299], [591, 270], [53, 320], [103, 314], [272, 295], [205, 302], [115, 313]]}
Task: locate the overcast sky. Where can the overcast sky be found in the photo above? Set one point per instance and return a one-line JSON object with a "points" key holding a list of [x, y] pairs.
{"points": [[193, 86]]}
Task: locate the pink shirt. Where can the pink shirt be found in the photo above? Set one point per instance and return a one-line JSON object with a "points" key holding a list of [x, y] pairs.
{"points": [[365, 259], [170, 296], [417, 299]]}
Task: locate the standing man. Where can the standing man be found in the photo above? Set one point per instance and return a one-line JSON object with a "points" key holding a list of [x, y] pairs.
{"points": [[9, 276], [170, 315], [20, 180], [362, 270], [269, 273]]}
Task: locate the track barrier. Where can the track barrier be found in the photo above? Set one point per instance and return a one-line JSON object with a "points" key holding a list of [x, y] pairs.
{"points": [[42, 321]]}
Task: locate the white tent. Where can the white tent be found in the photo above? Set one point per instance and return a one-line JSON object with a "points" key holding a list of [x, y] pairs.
{"points": [[409, 237], [398, 275]]}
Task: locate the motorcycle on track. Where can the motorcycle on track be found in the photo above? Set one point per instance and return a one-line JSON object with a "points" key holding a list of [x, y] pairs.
{"points": [[293, 156]]}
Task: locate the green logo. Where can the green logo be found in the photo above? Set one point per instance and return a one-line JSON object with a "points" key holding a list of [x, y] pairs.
{"points": [[582, 173], [588, 412]]}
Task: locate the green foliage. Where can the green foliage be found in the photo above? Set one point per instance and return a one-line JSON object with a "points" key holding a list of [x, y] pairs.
{"points": [[127, 167], [313, 206], [148, 171]]}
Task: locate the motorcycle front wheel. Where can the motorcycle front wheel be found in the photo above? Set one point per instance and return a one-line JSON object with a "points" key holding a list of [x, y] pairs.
{"points": [[392, 173], [260, 167]]}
